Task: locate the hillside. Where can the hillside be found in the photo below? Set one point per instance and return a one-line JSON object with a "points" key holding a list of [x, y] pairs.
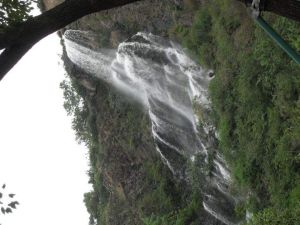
{"points": [[131, 184], [255, 97], [255, 102]]}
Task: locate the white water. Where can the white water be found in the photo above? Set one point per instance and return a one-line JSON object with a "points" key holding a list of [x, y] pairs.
{"points": [[216, 215], [158, 74]]}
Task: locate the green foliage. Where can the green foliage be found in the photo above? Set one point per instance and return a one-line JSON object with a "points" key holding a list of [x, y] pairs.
{"points": [[165, 195], [76, 106], [91, 202], [255, 100], [173, 203], [14, 11], [72, 99], [273, 216], [192, 37]]}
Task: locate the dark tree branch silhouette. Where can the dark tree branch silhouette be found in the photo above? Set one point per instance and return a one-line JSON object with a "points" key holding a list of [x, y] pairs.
{"points": [[17, 40]]}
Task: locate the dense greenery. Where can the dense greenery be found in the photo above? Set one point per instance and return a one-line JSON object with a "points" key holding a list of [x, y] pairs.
{"points": [[275, 216], [180, 204], [255, 97], [13, 12]]}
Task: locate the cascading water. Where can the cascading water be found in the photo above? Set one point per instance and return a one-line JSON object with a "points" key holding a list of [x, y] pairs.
{"points": [[158, 74]]}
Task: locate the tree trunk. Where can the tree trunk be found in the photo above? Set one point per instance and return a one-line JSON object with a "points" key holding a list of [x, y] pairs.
{"points": [[18, 40]]}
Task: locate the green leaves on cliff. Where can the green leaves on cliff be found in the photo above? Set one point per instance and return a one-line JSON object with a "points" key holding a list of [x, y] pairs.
{"points": [[273, 216], [73, 101], [76, 106], [171, 202], [256, 103]]}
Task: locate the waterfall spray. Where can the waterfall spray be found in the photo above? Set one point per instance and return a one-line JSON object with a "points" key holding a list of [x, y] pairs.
{"points": [[159, 74]]}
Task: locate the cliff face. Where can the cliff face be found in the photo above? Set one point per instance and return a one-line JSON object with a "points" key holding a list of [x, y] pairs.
{"points": [[131, 185], [123, 158], [130, 181], [116, 25], [49, 4], [117, 133]]}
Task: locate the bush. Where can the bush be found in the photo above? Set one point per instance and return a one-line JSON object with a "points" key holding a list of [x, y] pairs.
{"points": [[272, 216]]}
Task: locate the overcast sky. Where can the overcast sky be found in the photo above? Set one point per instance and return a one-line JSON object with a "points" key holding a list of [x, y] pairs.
{"points": [[39, 159]]}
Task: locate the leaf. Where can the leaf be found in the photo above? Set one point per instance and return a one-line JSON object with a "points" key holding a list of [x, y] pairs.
{"points": [[13, 204], [8, 210], [3, 186], [11, 195], [2, 210]]}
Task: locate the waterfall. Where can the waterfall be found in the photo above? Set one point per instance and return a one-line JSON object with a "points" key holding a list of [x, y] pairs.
{"points": [[157, 73]]}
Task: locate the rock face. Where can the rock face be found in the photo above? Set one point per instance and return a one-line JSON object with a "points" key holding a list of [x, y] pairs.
{"points": [[123, 158], [162, 78], [130, 181], [120, 147], [116, 25], [49, 4]]}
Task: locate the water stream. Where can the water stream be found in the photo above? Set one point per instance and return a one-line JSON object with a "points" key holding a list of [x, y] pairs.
{"points": [[158, 73]]}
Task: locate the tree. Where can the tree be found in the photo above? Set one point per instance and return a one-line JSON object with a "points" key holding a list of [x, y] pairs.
{"points": [[13, 12], [91, 201]]}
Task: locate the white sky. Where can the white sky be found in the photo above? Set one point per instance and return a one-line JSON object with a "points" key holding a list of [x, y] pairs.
{"points": [[40, 160]]}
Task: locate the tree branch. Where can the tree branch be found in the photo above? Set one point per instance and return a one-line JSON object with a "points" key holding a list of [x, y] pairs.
{"points": [[10, 56], [19, 39]]}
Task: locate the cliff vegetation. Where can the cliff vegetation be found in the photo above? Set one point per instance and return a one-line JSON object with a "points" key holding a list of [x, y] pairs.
{"points": [[256, 109], [131, 184], [256, 105]]}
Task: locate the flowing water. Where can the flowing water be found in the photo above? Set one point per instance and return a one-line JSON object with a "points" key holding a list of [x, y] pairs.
{"points": [[157, 73]]}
